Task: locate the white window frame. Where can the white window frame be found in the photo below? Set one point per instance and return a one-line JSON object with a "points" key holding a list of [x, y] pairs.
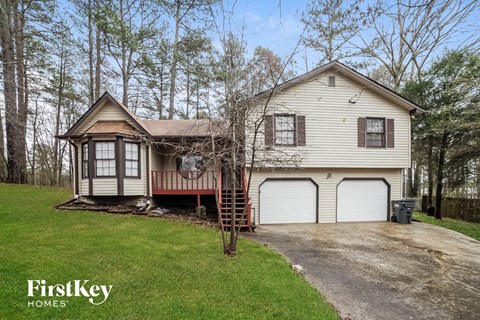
{"points": [[105, 161], [281, 133], [132, 160], [85, 160], [368, 142]]}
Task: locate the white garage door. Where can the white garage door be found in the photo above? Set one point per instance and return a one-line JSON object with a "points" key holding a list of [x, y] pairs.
{"points": [[362, 200], [288, 201]]}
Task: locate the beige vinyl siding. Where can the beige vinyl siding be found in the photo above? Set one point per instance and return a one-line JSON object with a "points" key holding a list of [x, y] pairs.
{"points": [[331, 126], [108, 112], [104, 186], [156, 158], [135, 186], [327, 185]]}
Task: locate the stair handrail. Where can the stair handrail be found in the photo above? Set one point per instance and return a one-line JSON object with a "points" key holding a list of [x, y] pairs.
{"points": [[249, 202]]}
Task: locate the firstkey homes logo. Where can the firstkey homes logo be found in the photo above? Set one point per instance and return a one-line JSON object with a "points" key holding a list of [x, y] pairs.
{"points": [[54, 295]]}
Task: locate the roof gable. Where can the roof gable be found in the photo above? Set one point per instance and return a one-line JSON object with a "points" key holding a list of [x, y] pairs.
{"points": [[353, 75], [106, 100]]}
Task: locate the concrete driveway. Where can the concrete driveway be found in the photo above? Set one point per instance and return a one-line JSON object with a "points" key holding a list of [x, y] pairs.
{"points": [[385, 270]]}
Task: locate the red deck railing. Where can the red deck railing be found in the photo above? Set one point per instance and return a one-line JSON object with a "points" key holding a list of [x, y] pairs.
{"points": [[249, 202], [172, 182]]}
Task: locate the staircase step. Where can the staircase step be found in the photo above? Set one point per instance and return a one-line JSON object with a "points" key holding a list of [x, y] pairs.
{"points": [[230, 205], [238, 214]]}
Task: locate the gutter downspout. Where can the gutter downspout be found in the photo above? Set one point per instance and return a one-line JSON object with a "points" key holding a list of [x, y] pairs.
{"points": [[75, 168]]}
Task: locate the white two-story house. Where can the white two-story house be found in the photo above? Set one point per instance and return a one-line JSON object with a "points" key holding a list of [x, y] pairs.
{"points": [[331, 148], [335, 143]]}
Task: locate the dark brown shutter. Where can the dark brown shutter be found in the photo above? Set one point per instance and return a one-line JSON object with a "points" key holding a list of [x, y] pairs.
{"points": [[269, 130], [301, 134], [362, 124], [390, 133]]}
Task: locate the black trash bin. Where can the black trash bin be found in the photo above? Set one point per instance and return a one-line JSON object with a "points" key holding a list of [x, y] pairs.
{"points": [[403, 210]]}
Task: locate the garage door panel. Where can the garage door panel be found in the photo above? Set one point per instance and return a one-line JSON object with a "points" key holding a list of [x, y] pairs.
{"points": [[362, 200], [288, 201]]}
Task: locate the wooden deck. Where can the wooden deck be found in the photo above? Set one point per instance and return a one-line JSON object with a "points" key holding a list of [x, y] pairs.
{"points": [[207, 183], [173, 183]]}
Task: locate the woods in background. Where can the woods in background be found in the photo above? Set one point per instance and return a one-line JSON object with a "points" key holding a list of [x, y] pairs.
{"points": [[166, 59]]}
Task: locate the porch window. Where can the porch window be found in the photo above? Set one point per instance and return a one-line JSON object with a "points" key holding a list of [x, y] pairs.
{"points": [[132, 160], [105, 159], [191, 167], [85, 160]]}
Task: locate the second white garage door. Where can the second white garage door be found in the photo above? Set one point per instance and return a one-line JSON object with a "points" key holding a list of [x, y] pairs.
{"points": [[288, 201], [362, 200]]}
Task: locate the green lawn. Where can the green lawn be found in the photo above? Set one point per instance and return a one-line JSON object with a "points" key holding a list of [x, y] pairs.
{"points": [[467, 228], [159, 269]]}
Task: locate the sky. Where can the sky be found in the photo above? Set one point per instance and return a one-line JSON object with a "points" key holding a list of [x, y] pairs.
{"points": [[274, 24]]}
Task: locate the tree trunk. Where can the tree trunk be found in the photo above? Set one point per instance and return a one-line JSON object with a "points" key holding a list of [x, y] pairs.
{"points": [[3, 160], [22, 104], [173, 68], [409, 183], [98, 55], [430, 172], [440, 173], [34, 145], [91, 94], [57, 159], [9, 90], [416, 179], [98, 64]]}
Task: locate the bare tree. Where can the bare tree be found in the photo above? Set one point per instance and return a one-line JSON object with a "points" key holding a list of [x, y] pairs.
{"points": [[128, 31], [402, 37], [183, 12], [12, 22], [244, 119], [330, 25]]}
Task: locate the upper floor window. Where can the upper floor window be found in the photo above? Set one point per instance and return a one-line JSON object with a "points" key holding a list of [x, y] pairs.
{"points": [[105, 159], [375, 132], [85, 160], [285, 130], [132, 159]]}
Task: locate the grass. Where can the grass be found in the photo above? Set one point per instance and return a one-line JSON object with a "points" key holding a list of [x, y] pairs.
{"points": [[469, 229], [159, 269]]}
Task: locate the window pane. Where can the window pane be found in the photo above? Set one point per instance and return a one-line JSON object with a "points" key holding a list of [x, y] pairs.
{"points": [[285, 130], [85, 169], [105, 168], [131, 151], [98, 147], [375, 125], [85, 151], [105, 150], [375, 140]]}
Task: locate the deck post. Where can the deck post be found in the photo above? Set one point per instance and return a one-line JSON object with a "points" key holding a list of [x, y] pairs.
{"points": [[198, 200]]}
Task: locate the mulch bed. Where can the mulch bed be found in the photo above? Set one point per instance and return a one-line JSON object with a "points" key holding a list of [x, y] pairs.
{"points": [[172, 213]]}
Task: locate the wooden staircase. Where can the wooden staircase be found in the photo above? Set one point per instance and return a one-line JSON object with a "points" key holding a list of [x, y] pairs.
{"points": [[238, 210]]}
